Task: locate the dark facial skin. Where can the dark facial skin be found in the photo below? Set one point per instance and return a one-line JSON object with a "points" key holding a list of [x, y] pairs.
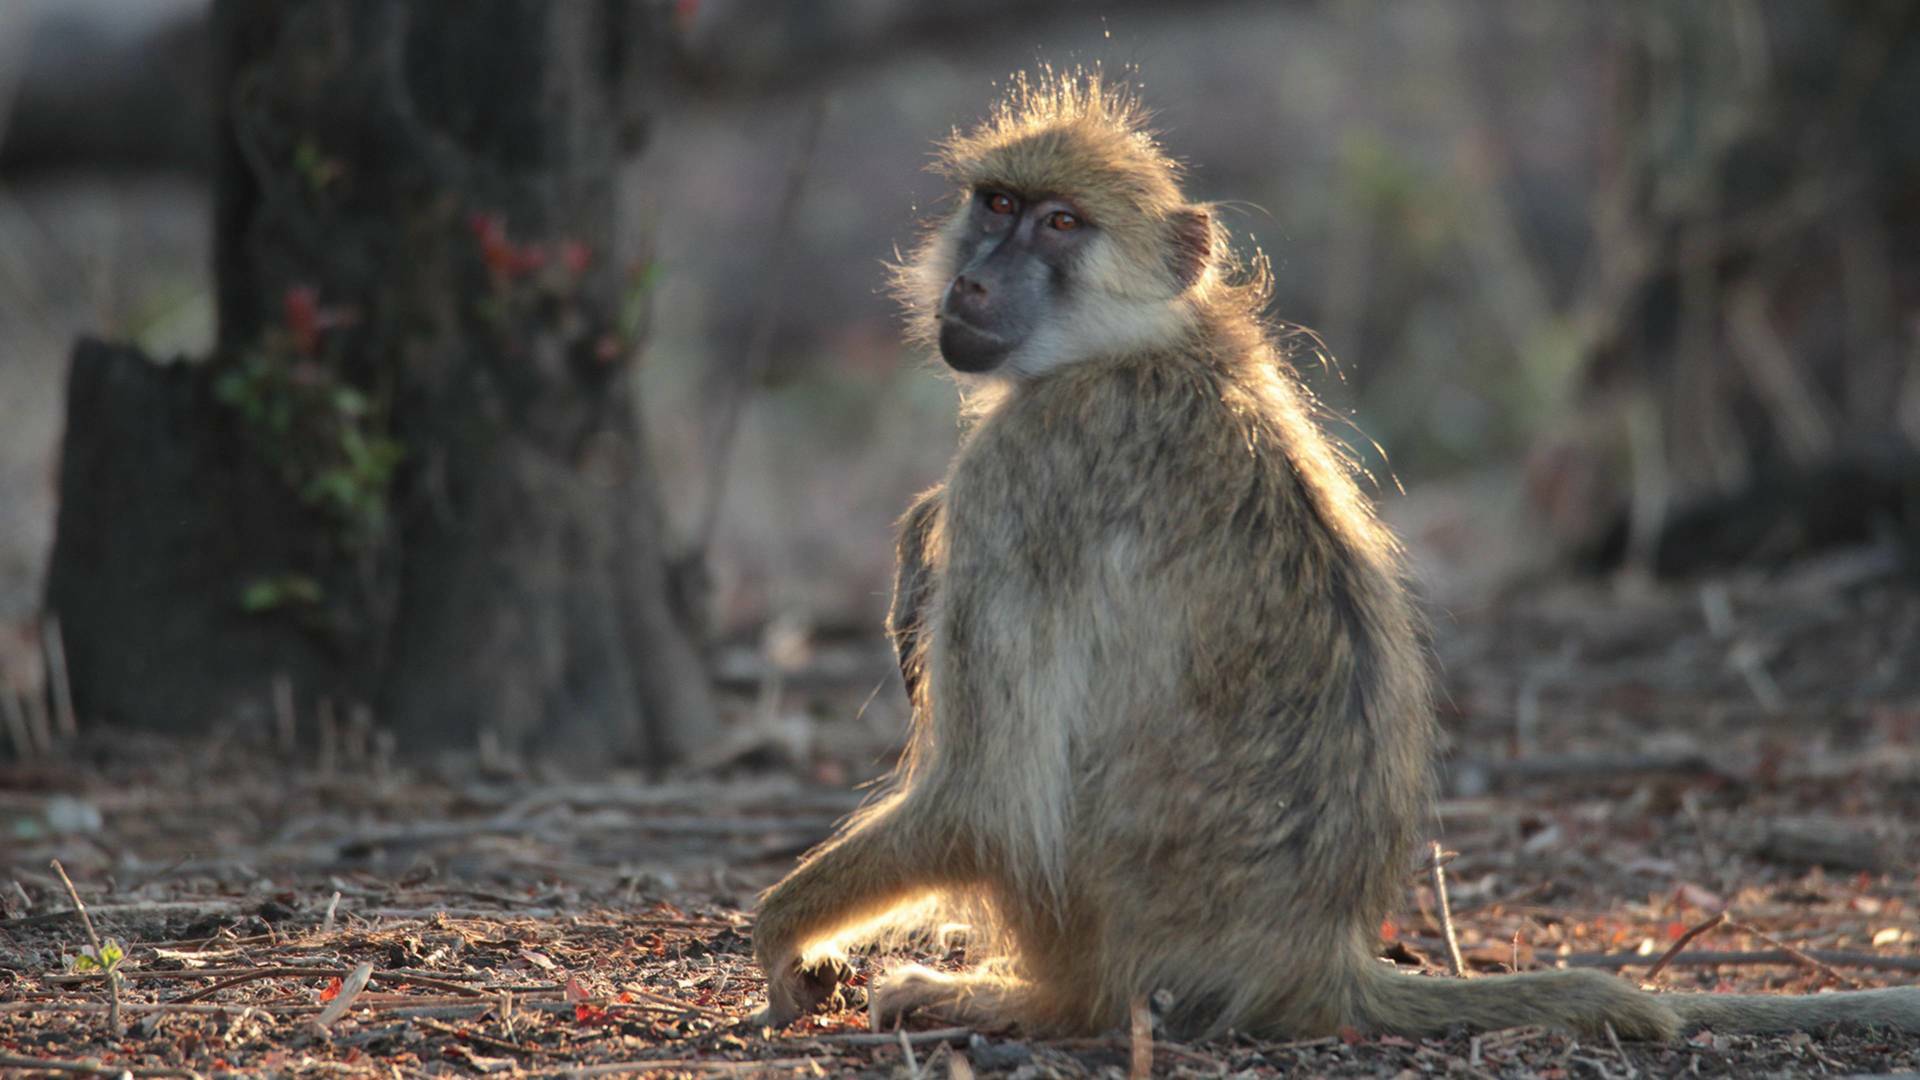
{"points": [[1013, 261]]}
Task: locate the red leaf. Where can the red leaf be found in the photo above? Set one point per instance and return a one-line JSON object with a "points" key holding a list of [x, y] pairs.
{"points": [[301, 304], [525, 260], [332, 991], [486, 226], [495, 250]]}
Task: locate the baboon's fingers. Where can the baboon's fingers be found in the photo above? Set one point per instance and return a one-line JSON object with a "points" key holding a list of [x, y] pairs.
{"points": [[794, 990]]}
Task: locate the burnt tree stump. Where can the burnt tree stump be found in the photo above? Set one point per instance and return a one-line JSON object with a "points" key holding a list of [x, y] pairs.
{"points": [[412, 475]]}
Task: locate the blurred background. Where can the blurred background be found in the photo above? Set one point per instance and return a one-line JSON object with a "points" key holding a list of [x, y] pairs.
{"points": [[1623, 292]]}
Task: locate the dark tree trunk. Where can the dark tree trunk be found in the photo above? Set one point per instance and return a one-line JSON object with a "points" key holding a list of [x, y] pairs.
{"points": [[412, 475]]}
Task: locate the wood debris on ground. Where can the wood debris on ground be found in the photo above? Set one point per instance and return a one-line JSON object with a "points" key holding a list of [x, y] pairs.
{"points": [[1723, 787]]}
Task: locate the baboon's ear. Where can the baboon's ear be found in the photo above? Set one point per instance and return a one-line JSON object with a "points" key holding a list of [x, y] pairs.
{"points": [[1192, 244]]}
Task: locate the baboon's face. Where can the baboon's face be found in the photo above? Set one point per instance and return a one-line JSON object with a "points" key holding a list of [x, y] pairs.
{"points": [[1015, 257]]}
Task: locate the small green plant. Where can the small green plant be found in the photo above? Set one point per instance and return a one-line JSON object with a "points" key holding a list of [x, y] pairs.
{"points": [[321, 434], [107, 962], [106, 956]]}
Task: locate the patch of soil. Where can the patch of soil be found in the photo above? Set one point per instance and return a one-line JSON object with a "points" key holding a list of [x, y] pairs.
{"points": [[1625, 766]]}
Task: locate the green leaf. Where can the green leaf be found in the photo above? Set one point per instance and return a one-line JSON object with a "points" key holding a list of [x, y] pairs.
{"points": [[111, 953], [84, 962], [266, 594], [349, 402]]}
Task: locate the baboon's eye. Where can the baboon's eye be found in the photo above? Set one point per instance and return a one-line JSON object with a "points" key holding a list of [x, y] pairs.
{"points": [[1000, 203], [1063, 221]]}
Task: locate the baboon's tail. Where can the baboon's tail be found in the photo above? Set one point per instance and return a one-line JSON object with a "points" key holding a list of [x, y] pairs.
{"points": [[1589, 1002], [1896, 1007]]}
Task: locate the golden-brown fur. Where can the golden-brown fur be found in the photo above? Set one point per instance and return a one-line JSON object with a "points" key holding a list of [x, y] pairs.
{"points": [[1172, 728]]}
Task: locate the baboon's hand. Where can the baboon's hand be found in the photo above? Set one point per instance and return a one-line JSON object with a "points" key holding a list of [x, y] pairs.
{"points": [[794, 990]]}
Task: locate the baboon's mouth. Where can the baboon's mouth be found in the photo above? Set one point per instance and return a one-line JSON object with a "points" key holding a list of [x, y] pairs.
{"points": [[966, 347]]}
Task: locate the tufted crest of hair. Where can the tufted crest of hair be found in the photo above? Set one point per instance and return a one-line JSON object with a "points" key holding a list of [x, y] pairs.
{"points": [[1078, 136], [1057, 133]]}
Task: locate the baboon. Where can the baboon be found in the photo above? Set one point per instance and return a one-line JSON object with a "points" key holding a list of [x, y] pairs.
{"points": [[1172, 721]]}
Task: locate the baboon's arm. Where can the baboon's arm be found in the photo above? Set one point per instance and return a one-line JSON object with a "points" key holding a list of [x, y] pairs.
{"points": [[886, 855], [913, 581], [889, 854]]}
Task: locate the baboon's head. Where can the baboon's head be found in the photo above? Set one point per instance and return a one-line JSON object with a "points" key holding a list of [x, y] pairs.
{"points": [[1071, 238]]}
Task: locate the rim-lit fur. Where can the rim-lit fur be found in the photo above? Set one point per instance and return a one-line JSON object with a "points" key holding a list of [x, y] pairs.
{"points": [[1172, 721]]}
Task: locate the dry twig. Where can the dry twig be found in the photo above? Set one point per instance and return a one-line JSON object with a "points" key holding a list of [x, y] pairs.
{"points": [[1614, 1038], [54, 643], [766, 321], [111, 971], [349, 990], [88, 1068], [1674, 949], [480, 1039], [1752, 958], [1802, 958], [25, 747], [655, 1066], [956, 1035], [683, 1006], [1141, 1037], [1440, 858], [243, 976]]}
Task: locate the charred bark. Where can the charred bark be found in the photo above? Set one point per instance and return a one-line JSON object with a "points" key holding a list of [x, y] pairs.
{"points": [[416, 442]]}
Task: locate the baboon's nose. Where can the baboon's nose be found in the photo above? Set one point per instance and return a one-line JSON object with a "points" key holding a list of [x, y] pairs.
{"points": [[968, 298]]}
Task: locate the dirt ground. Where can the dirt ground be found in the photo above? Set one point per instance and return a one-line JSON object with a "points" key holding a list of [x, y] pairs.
{"points": [[1627, 763]]}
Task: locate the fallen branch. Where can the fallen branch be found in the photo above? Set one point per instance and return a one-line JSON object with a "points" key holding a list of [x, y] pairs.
{"points": [[439, 1012], [955, 1035], [1711, 958], [445, 980], [137, 1008], [662, 999], [480, 1039], [1608, 767], [1114, 1042], [247, 975], [151, 907], [88, 1068], [652, 1066]]}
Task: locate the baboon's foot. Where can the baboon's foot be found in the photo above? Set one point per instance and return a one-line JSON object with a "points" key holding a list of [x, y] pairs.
{"points": [[971, 999]]}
